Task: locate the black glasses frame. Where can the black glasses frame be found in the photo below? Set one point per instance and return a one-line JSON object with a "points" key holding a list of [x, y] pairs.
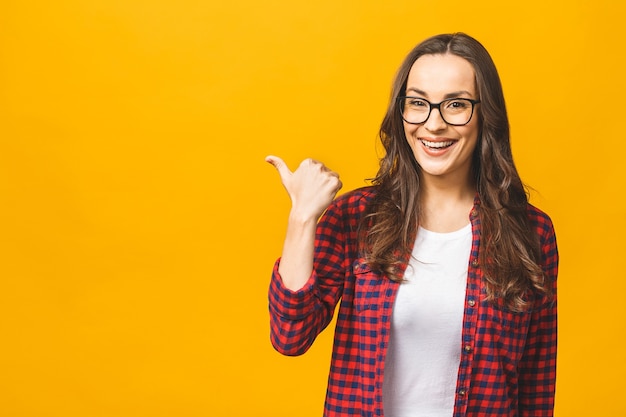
{"points": [[431, 106]]}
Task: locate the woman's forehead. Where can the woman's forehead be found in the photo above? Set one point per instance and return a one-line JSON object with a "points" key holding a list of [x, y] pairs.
{"points": [[441, 74]]}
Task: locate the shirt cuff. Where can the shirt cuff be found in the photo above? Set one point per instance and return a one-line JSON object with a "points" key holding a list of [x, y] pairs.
{"points": [[291, 305]]}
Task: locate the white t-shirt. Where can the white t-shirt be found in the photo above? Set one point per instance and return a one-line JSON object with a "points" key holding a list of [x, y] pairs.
{"points": [[424, 350]]}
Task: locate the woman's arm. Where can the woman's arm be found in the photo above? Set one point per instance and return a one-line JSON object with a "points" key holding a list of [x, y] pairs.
{"points": [[537, 369], [301, 302]]}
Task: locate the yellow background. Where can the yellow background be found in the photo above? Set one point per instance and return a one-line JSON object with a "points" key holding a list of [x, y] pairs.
{"points": [[139, 223]]}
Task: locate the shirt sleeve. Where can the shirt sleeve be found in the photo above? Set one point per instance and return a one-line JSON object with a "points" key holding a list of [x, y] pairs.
{"points": [[537, 369], [297, 317]]}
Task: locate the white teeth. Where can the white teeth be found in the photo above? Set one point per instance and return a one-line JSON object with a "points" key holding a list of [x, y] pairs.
{"points": [[437, 145]]}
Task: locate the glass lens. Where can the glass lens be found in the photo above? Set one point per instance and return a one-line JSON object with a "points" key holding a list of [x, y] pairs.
{"points": [[415, 110], [456, 111]]}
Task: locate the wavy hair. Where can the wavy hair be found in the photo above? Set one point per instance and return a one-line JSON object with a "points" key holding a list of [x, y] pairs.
{"points": [[509, 251]]}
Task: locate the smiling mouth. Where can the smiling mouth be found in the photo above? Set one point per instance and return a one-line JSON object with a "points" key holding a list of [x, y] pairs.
{"points": [[437, 145]]}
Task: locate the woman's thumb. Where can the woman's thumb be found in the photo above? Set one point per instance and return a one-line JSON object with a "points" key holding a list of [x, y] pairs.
{"points": [[280, 165]]}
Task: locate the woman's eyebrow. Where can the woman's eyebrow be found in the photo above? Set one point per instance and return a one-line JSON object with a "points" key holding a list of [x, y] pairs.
{"points": [[458, 94], [453, 94], [416, 91]]}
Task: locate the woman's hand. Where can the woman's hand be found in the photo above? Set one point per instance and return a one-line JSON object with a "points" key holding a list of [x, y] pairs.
{"points": [[311, 187]]}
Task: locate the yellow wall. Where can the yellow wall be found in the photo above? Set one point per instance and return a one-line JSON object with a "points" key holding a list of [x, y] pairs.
{"points": [[139, 223]]}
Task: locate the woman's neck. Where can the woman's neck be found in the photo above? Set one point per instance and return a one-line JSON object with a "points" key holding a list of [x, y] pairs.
{"points": [[445, 205]]}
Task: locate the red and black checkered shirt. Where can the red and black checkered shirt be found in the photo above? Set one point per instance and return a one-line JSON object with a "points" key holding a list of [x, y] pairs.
{"points": [[508, 359]]}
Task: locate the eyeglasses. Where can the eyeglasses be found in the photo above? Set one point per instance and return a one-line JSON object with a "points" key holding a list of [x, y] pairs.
{"points": [[454, 111]]}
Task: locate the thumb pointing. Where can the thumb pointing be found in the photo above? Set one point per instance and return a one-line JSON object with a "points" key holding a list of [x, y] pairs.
{"points": [[280, 165]]}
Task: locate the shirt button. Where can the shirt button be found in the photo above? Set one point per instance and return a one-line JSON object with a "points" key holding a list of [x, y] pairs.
{"points": [[475, 263], [467, 348], [471, 303], [474, 213], [462, 392]]}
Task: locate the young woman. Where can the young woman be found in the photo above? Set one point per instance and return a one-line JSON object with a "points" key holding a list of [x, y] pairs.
{"points": [[446, 274]]}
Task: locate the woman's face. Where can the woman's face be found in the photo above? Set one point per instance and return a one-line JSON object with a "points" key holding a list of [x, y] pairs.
{"points": [[442, 151]]}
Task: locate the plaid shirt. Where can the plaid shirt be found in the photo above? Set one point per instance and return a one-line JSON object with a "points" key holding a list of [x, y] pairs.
{"points": [[508, 359]]}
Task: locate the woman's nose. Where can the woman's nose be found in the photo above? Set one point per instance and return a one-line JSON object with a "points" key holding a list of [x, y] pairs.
{"points": [[435, 122]]}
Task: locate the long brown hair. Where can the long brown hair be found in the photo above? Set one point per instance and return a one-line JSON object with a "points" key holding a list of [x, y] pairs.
{"points": [[509, 252]]}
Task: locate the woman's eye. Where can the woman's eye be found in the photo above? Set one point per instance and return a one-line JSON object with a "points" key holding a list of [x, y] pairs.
{"points": [[417, 103], [458, 104]]}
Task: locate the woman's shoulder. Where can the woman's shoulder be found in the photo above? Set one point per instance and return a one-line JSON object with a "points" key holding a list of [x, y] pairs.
{"points": [[356, 199], [541, 220], [348, 209]]}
